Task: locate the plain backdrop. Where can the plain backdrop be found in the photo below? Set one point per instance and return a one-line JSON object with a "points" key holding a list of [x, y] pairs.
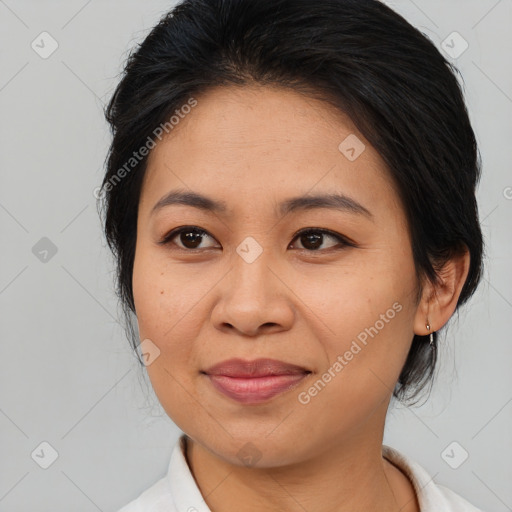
{"points": [[68, 377]]}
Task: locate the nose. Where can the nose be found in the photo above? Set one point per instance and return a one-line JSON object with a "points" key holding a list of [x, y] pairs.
{"points": [[254, 298]]}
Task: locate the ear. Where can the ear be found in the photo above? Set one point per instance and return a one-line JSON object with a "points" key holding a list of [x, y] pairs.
{"points": [[439, 300]]}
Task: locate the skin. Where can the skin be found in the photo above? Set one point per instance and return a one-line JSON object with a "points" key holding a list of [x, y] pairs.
{"points": [[253, 147]]}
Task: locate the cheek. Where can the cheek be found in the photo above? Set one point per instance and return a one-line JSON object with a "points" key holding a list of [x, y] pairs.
{"points": [[365, 357], [169, 309], [353, 299], [369, 311], [161, 309], [163, 296]]}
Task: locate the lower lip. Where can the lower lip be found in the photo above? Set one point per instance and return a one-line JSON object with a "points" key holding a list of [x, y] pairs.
{"points": [[255, 390]]}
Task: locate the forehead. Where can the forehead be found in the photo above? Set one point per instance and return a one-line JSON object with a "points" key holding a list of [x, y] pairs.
{"points": [[251, 116], [244, 142]]}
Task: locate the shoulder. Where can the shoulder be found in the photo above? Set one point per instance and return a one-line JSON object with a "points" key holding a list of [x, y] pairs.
{"points": [[432, 497]]}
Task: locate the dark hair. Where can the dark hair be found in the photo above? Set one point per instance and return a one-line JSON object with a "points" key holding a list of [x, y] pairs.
{"points": [[358, 55]]}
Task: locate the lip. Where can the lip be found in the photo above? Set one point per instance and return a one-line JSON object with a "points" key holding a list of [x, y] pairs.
{"points": [[255, 381]]}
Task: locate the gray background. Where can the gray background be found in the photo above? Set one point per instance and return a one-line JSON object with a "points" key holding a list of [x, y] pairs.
{"points": [[68, 376]]}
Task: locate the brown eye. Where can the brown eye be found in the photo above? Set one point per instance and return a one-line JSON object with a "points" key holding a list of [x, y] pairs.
{"points": [[189, 237], [313, 239]]}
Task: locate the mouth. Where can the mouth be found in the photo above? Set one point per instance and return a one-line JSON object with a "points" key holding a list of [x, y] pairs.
{"points": [[254, 381]]}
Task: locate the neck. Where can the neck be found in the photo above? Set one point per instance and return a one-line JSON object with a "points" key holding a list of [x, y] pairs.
{"points": [[350, 476]]}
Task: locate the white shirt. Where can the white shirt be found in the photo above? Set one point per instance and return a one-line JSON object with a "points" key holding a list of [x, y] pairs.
{"points": [[178, 491]]}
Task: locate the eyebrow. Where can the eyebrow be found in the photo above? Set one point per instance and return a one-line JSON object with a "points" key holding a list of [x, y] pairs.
{"points": [[336, 201]]}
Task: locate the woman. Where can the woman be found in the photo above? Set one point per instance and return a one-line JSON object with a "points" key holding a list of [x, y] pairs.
{"points": [[290, 195]]}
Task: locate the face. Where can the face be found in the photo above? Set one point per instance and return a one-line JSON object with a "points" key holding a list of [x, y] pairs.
{"points": [[328, 286]]}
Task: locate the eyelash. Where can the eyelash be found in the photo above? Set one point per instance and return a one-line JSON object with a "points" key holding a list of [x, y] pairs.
{"points": [[344, 241]]}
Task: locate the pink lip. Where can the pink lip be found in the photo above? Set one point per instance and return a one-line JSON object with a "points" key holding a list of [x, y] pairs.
{"points": [[254, 381]]}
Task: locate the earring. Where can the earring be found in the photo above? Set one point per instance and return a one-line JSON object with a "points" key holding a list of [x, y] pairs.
{"points": [[431, 336]]}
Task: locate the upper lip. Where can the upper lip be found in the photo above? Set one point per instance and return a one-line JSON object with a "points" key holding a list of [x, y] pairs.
{"points": [[242, 368]]}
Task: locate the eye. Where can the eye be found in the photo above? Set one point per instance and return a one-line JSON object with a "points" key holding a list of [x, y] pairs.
{"points": [[190, 237], [313, 238]]}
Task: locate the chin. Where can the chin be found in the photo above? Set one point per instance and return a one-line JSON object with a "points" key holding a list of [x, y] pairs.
{"points": [[265, 449]]}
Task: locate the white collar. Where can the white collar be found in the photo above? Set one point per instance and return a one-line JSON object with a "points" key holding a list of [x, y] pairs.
{"points": [[184, 490]]}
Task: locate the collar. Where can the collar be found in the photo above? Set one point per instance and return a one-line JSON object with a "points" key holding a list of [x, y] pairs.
{"points": [[430, 496], [184, 490]]}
